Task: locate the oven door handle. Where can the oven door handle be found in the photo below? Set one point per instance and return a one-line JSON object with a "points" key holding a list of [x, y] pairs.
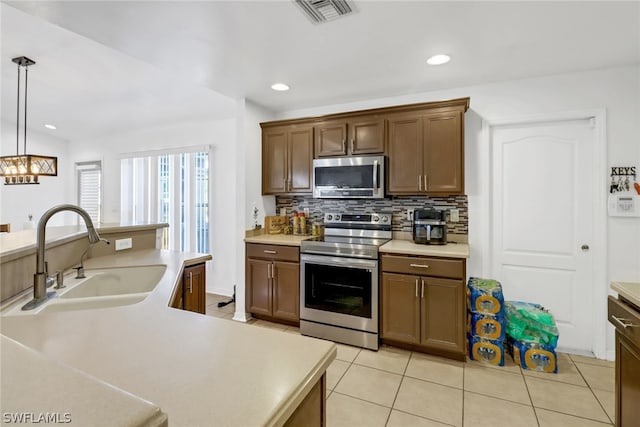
{"points": [[339, 262]]}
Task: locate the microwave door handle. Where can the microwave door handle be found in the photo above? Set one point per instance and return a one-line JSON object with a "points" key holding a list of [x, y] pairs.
{"points": [[375, 175], [428, 233]]}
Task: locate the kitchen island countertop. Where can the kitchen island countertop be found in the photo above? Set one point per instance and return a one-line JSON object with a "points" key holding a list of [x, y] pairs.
{"points": [[199, 370]]}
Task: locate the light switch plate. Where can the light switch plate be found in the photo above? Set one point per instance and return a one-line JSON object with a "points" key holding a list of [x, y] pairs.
{"points": [[122, 244], [454, 215]]}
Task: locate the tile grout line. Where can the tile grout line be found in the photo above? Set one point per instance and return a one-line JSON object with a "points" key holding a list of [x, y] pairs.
{"points": [[404, 371], [592, 392], [524, 379]]}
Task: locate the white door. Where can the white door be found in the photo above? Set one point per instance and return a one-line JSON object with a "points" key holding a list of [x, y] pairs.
{"points": [[542, 222]]}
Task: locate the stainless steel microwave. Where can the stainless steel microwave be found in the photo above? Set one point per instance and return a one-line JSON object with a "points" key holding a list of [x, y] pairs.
{"points": [[352, 177]]}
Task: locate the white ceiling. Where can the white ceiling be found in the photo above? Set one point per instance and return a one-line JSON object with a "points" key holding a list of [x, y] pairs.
{"points": [[106, 66]]}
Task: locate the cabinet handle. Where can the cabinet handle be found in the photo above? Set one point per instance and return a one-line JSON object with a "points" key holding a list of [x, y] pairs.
{"points": [[416, 288], [419, 265], [419, 182], [266, 251], [422, 289], [426, 182], [625, 323], [190, 282], [268, 271], [352, 145]]}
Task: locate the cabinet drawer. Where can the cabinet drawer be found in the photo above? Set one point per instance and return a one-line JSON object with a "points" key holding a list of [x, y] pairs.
{"points": [[441, 267], [277, 252], [621, 314]]}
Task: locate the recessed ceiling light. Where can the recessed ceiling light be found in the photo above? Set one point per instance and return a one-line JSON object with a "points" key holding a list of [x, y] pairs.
{"points": [[279, 87], [438, 59], [52, 127]]}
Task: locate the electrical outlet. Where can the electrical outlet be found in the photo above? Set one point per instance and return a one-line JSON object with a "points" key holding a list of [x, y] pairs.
{"points": [[410, 214], [454, 215], [123, 244]]}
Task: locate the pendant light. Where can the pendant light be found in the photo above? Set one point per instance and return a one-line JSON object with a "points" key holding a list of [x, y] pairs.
{"points": [[25, 168]]}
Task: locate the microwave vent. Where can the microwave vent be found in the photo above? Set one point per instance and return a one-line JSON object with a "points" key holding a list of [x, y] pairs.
{"points": [[320, 11]]}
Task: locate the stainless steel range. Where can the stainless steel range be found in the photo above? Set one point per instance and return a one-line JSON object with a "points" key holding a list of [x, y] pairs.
{"points": [[339, 279]]}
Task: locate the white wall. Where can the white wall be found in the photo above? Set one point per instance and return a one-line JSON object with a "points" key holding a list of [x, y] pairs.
{"points": [[18, 201], [615, 89], [221, 136], [249, 169]]}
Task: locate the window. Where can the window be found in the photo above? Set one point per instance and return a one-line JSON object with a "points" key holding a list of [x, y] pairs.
{"points": [[171, 188], [90, 189]]}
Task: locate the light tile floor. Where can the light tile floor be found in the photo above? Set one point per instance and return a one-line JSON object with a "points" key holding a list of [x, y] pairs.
{"points": [[398, 388]]}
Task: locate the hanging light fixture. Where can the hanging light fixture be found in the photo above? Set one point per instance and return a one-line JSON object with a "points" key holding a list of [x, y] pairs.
{"points": [[25, 168]]}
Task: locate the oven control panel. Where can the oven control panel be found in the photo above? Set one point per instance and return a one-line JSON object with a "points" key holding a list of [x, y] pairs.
{"points": [[358, 218]]}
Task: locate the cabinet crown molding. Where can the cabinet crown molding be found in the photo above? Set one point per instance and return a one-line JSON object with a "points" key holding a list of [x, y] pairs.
{"points": [[452, 103]]}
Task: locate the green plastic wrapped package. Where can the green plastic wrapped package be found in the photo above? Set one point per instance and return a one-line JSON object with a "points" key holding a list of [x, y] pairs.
{"points": [[531, 323]]}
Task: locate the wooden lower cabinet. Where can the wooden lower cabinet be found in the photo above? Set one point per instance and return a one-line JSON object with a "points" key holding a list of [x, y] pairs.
{"points": [[190, 293], [626, 318], [273, 282], [422, 312], [312, 411]]}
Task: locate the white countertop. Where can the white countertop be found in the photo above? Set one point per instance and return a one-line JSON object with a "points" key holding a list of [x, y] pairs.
{"points": [[200, 370], [276, 239], [25, 240], [629, 290], [66, 392], [407, 247]]}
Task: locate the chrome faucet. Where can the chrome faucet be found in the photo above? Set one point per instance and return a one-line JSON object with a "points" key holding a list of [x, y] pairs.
{"points": [[80, 269], [40, 294]]}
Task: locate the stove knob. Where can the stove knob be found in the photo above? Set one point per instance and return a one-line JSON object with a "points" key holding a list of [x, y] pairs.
{"points": [[385, 219], [329, 217], [376, 218], [337, 217]]}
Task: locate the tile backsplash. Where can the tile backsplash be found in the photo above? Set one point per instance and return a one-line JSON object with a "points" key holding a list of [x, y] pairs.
{"points": [[397, 206]]}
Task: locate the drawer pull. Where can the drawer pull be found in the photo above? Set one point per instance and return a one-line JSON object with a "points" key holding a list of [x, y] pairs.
{"points": [[270, 252], [419, 265], [623, 322]]}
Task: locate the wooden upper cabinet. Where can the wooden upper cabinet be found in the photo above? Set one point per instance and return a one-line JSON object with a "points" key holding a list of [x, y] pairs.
{"points": [[331, 138], [366, 135], [405, 154], [426, 153], [274, 161], [443, 158], [300, 163], [355, 136], [287, 157]]}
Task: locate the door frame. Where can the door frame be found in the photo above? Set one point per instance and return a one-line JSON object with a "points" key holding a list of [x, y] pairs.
{"points": [[599, 244]]}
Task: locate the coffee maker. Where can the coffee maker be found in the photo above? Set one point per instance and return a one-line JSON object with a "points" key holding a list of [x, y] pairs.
{"points": [[430, 227]]}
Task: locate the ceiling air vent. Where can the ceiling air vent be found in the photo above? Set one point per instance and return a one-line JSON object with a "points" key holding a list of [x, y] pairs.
{"points": [[320, 11]]}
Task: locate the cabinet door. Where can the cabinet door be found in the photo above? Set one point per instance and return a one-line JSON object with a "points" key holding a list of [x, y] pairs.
{"points": [[443, 317], [627, 381], [366, 135], [274, 161], [258, 286], [300, 160], [405, 155], [193, 286], [400, 308], [443, 153], [286, 290], [331, 138]]}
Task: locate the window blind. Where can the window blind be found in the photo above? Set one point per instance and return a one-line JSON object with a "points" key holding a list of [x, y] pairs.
{"points": [[90, 189]]}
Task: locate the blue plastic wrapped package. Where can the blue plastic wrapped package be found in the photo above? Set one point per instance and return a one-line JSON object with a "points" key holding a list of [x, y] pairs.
{"points": [[486, 326], [487, 351], [530, 322], [485, 296], [533, 356]]}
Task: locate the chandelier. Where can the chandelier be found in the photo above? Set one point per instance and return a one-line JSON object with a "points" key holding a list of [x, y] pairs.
{"points": [[25, 168]]}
